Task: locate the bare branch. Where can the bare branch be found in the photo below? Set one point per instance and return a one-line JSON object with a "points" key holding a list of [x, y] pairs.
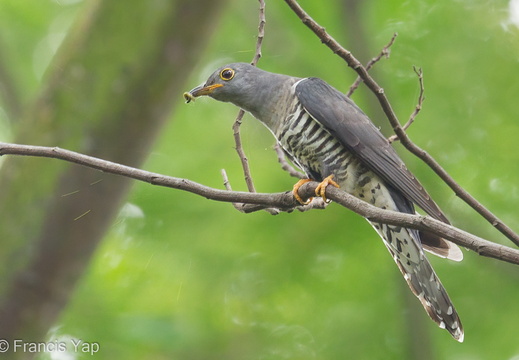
{"points": [[228, 187], [237, 123], [397, 128], [384, 53], [243, 207], [261, 33], [284, 200], [418, 107], [241, 153]]}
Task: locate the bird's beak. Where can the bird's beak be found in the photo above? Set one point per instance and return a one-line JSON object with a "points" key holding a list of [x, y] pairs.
{"points": [[200, 91]]}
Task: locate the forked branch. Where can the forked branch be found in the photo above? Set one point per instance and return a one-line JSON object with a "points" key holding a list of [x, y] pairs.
{"points": [[337, 49], [251, 201], [383, 53], [419, 104], [284, 200]]}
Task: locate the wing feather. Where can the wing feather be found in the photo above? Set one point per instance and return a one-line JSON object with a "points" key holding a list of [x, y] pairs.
{"points": [[344, 119]]}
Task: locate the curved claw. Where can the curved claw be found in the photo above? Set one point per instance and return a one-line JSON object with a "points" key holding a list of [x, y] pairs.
{"points": [[295, 190], [320, 190]]}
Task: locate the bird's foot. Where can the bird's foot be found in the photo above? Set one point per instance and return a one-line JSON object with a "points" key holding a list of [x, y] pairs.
{"points": [[320, 190], [295, 191]]}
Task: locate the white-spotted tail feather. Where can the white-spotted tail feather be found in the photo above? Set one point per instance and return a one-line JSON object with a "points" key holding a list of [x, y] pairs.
{"points": [[420, 276]]}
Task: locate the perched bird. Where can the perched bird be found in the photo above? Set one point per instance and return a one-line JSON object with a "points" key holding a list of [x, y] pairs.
{"points": [[327, 135]]}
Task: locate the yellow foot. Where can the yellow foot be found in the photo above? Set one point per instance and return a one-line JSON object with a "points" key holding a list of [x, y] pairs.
{"points": [[320, 190], [295, 190]]}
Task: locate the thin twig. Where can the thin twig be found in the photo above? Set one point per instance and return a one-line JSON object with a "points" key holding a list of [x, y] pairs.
{"points": [[241, 153], [285, 165], [336, 48], [284, 200], [228, 187], [237, 123], [243, 207], [419, 104], [261, 33], [383, 53]]}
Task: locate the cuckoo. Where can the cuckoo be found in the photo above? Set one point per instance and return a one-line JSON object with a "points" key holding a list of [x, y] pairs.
{"points": [[329, 137]]}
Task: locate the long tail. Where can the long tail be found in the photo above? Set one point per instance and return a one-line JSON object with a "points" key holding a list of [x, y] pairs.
{"points": [[405, 248]]}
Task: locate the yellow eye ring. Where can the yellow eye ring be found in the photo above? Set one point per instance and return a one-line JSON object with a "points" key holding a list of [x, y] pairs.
{"points": [[227, 74]]}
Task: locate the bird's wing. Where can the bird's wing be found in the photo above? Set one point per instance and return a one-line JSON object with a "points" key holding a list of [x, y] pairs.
{"points": [[344, 120]]}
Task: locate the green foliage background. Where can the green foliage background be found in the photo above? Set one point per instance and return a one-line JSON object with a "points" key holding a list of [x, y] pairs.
{"points": [[181, 277]]}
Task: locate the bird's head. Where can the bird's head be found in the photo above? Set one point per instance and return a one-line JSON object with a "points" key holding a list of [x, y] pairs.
{"points": [[242, 84], [251, 89], [230, 83]]}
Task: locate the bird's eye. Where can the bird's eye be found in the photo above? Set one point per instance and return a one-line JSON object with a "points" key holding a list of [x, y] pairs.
{"points": [[227, 74]]}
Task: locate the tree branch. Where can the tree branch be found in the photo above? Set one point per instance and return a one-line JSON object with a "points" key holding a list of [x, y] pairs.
{"points": [[243, 207], [241, 153], [418, 107], [284, 200], [237, 123], [329, 41], [261, 33]]}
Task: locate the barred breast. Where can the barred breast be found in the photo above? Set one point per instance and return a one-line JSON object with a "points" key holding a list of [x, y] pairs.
{"points": [[319, 154]]}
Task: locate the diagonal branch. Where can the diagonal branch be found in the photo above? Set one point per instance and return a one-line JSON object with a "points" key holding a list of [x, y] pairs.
{"points": [[329, 41], [284, 200]]}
